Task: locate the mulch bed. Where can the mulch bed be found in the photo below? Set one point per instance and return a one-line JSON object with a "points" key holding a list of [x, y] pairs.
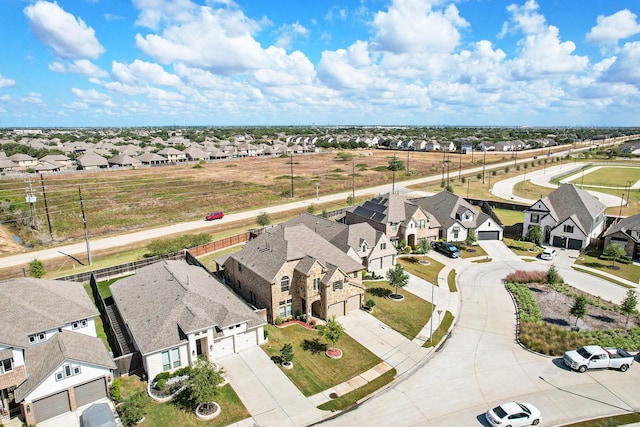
{"points": [[296, 322], [555, 309]]}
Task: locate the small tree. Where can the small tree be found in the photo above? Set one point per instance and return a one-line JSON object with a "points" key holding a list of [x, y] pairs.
{"points": [[579, 308], [134, 408], [286, 352], [424, 246], [331, 331], [350, 200], [204, 382], [552, 275], [395, 164], [615, 251], [36, 268], [629, 304], [264, 219], [325, 214], [471, 236], [534, 235], [311, 209], [397, 277]]}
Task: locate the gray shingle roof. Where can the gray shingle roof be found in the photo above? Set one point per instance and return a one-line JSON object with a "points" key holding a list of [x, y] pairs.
{"points": [[444, 206], [166, 299], [626, 225], [567, 200], [386, 208], [66, 346], [30, 306]]}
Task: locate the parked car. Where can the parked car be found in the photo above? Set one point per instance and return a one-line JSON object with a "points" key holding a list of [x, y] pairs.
{"points": [[214, 215], [548, 254], [514, 414], [446, 248], [596, 357]]}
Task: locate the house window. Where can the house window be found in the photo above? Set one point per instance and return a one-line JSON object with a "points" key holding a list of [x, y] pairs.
{"points": [[568, 228], [81, 324], [284, 284], [166, 362], [337, 285], [456, 232], [383, 246], [394, 226], [36, 338], [67, 371], [240, 268], [535, 218], [316, 283], [421, 223], [6, 365], [175, 357], [285, 308]]}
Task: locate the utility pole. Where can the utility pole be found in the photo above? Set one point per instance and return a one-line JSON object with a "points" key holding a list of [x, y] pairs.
{"points": [[628, 192], [353, 179], [46, 206], [393, 175], [31, 199], [468, 181], [460, 165], [484, 161], [86, 231], [408, 156], [291, 162]]}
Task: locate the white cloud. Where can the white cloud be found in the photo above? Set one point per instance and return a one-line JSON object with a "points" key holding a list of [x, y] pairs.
{"points": [[287, 34], [67, 36], [411, 26], [6, 82], [82, 67], [93, 97], [614, 27], [154, 13], [626, 67], [346, 68], [143, 73]]}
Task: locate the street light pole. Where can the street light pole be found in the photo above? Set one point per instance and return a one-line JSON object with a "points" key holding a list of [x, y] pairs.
{"points": [[433, 286], [628, 191], [484, 161], [468, 181]]}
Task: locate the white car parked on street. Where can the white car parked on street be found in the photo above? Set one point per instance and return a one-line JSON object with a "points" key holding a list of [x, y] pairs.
{"points": [[514, 414], [548, 254]]}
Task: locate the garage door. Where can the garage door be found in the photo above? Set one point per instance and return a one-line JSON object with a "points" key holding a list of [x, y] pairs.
{"points": [[224, 346], [336, 309], [575, 244], [488, 235], [246, 340], [353, 303], [90, 392], [558, 242], [49, 407]]}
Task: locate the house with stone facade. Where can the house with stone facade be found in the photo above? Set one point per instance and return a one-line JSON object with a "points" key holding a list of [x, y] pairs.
{"points": [[291, 270], [397, 217], [175, 313], [51, 361], [626, 233]]}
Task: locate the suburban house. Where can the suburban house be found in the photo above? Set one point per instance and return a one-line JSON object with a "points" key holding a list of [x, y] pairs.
{"points": [[152, 159], [626, 233], [360, 241], [91, 161], [172, 155], [568, 217], [292, 269], [51, 360], [397, 217], [456, 217], [175, 313], [23, 161], [124, 160]]}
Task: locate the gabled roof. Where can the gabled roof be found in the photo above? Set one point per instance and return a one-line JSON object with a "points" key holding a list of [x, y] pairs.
{"points": [[567, 200], [65, 346], [268, 252], [20, 157], [165, 300], [445, 205], [92, 159], [29, 306], [625, 225], [194, 152], [385, 209], [124, 160], [151, 158]]}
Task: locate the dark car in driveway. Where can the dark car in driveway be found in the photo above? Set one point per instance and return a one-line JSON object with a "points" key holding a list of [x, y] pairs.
{"points": [[214, 215], [446, 248]]}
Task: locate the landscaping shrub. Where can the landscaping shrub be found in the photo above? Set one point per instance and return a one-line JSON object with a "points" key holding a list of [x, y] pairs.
{"points": [[134, 408], [622, 260], [521, 276], [527, 304], [167, 246], [161, 384], [116, 391]]}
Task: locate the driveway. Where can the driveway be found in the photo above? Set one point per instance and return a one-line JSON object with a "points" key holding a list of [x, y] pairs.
{"points": [[481, 365]]}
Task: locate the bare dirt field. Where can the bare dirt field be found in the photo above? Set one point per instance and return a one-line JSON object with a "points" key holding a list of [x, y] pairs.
{"points": [[555, 308]]}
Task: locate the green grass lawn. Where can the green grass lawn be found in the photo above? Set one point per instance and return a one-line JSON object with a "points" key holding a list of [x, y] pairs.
{"points": [[313, 371], [626, 271], [614, 176], [427, 272], [442, 330], [170, 414], [407, 317], [522, 248], [352, 397], [508, 216]]}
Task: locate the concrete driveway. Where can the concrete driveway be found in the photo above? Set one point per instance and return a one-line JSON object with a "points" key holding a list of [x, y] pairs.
{"points": [[481, 365]]}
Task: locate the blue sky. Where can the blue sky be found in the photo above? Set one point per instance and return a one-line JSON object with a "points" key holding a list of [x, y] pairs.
{"points": [[325, 62]]}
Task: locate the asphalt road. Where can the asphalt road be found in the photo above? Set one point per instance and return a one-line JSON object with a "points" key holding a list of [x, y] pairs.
{"points": [[481, 366]]}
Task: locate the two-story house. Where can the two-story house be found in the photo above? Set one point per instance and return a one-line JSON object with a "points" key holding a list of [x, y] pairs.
{"points": [[626, 233], [175, 313], [397, 217], [292, 269], [568, 217], [51, 360]]}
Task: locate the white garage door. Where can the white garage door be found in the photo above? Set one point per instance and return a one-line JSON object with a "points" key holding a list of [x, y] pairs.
{"points": [[49, 407], [353, 303], [224, 347], [246, 340], [336, 309], [90, 392]]}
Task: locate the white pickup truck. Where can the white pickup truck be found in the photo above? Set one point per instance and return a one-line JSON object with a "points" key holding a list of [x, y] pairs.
{"points": [[596, 357]]}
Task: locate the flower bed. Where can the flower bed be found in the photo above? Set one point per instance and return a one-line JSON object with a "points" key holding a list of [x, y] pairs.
{"points": [[173, 387], [311, 326]]}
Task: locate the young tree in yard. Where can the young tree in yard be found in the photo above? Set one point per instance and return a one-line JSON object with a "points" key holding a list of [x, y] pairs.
{"points": [[424, 246], [397, 277], [264, 219], [471, 236], [579, 308], [350, 200], [204, 382], [552, 275], [331, 331], [36, 268], [534, 234], [286, 352], [395, 164], [629, 304], [615, 251]]}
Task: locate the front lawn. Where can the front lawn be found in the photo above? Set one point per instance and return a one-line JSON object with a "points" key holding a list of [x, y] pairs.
{"points": [[171, 414], [407, 317], [591, 259], [427, 272], [522, 248], [313, 371]]}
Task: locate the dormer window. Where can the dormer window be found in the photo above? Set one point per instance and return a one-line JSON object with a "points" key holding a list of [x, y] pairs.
{"points": [[36, 338], [80, 324]]}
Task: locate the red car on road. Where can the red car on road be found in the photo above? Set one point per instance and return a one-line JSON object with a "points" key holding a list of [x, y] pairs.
{"points": [[214, 215]]}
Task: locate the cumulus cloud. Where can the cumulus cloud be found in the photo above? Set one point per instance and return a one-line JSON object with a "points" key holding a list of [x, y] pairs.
{"points": [[414, 26], [626, 67], [347, 68], [68, 36], [141, 72], [612, 28], [82, 67], [6, 82], [287, 34]]}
